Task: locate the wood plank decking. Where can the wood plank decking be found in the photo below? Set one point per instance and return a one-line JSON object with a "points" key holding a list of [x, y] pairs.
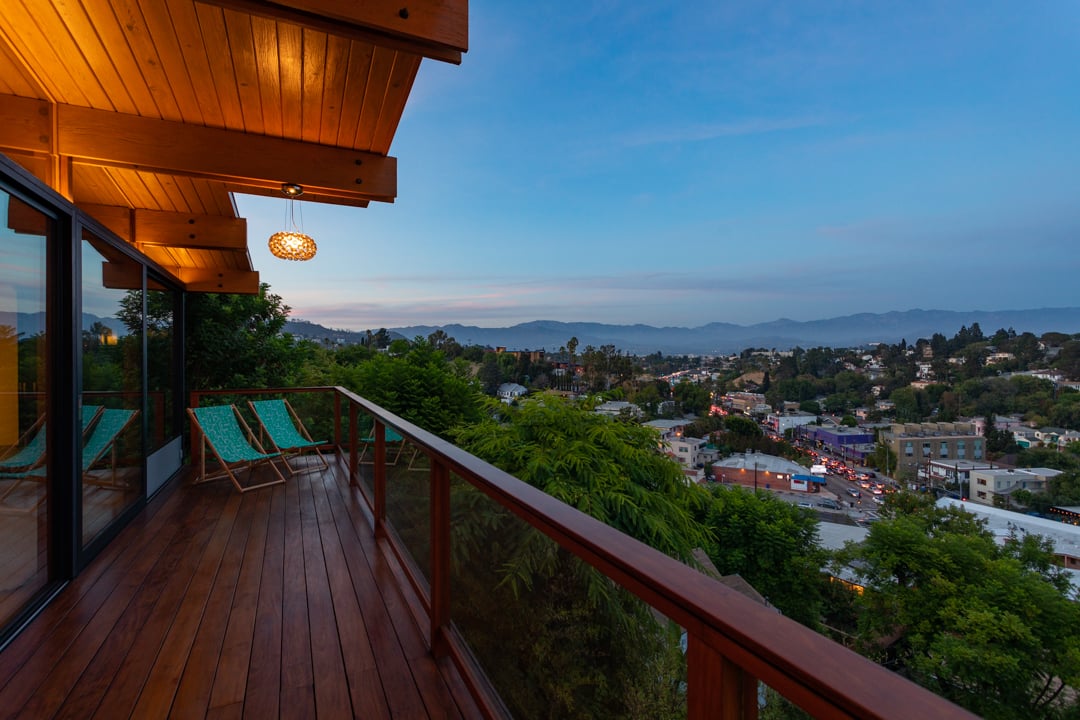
{"points": [[275, 603]]}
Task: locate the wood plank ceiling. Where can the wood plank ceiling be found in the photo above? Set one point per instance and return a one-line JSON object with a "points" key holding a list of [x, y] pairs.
{"points": [[149, 114]]}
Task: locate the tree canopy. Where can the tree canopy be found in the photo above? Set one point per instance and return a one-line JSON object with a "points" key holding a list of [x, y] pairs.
{"points": [[993, 627]]}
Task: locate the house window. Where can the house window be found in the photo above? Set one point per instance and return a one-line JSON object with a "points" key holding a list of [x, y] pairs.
{"points": [[943, 451], [978, 449], [926, 449], [961, 451], [908, 449], [981, 494], [981, 481]]}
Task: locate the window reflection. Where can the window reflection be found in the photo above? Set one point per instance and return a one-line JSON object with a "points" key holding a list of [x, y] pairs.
{"points": [[160, 308], [112, 352], [24, 235]]}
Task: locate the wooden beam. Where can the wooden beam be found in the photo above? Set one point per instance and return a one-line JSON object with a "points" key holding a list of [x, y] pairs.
{"points": [[219, 281], [121, 276], [26, 220], [118, 219], [210, 232], [308, 196], [40, 166], [436, 29], [153, 228], [115, 139], [25, 125]]}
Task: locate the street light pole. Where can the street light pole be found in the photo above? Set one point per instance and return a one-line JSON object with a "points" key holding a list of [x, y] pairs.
{"points": [[755, 476]]}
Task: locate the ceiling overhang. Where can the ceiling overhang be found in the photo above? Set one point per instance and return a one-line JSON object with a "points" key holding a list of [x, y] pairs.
{"points": [[149, 114]]}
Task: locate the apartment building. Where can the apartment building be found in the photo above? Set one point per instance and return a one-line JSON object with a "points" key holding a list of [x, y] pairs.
{"points": [[918, 444]]}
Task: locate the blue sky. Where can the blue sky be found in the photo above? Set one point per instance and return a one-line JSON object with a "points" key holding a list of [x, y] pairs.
{"points": [[678, 164]]}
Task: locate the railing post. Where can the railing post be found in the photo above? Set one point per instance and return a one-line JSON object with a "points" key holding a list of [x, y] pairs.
{"points": [[717, 687], [196, 435], [440, 557], [337, 419], [354, 443], [379, 483]]}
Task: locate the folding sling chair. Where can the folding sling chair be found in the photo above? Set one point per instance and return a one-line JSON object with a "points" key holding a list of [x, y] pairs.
{"points": [[286, 433], [235, 446]]}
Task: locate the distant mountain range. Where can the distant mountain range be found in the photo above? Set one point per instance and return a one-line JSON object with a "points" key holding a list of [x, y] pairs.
{"points": [[725, 338]]}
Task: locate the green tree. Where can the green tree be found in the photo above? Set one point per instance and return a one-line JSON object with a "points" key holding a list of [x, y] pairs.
{"points": [[490, 374], [692, 398], [421, 386], [236, 341], [772, 545], [742, 426], [611, 471], [591, 649], [991, 627]]}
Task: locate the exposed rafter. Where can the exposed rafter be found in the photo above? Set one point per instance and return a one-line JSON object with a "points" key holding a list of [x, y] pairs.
{"points": [[436, 30], [119, 140], [146, 228], [150, 115], [245, 163]]}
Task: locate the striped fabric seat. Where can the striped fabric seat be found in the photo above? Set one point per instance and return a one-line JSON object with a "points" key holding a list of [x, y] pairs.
{"points": [[229, 438]]}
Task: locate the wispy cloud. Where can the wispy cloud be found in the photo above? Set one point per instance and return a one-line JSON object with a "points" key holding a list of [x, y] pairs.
{"points": [[700, 132]]}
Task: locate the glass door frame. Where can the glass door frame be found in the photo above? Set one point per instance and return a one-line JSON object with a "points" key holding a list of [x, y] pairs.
{"points": [[66, 554]]}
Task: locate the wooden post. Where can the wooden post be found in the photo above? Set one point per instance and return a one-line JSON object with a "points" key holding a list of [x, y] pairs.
{"points": [[717, 687], [337, 420], [440, 557], [354, 442], [379, 483]]}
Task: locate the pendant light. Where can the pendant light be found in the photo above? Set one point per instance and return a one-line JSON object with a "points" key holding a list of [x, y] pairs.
{"points": [[292, 243]]}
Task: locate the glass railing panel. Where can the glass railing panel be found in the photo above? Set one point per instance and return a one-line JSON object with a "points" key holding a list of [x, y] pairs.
{"points": [[774, 706], [408, 498], [554, 637]]}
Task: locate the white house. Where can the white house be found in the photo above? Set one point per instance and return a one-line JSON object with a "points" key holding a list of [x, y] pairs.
{"points": [[508, 392], [613, 408]]}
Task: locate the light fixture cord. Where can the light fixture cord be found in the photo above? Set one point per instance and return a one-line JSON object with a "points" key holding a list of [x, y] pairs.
{"points": [[290, 217]]}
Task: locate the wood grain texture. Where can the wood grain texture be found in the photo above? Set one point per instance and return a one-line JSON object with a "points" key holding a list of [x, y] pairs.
{"points": [[275, 603]]}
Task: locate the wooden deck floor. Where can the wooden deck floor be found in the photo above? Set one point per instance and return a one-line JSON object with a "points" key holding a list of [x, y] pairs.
{"points": [[275, 603]]}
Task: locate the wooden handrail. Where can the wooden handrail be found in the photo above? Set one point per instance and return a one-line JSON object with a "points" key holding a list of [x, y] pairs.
{"points": [[732, 639]]}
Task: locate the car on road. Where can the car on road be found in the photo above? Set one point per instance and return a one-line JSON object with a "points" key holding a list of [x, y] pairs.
{"points": [[829, 504], [854, 493]]}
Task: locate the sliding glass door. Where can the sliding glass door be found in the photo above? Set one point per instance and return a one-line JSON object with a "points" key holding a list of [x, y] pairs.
{"points": [[26, 235], [112, 412]]}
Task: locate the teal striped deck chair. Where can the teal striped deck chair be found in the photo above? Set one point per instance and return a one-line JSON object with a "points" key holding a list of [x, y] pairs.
{"points": [[101, 442], [286, 433], [28, 462], [32, 454], [395, 445], [224, 432]]}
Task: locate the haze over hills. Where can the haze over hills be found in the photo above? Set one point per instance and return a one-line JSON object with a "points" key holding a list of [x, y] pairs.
{"points": [[724, 338]]}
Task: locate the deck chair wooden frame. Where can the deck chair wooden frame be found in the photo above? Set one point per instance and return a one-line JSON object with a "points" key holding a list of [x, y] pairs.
{"points": [[286, 434], [224, 433], [391, 436]]}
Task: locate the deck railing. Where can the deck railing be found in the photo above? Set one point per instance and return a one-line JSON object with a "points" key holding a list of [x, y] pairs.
{"points": [[732, 642]]}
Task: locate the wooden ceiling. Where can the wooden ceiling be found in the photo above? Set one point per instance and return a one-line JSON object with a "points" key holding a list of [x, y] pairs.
{"points": [[149, 114]]}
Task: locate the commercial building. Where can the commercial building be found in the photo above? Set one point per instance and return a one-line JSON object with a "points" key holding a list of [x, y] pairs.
{"points": [[995, 486], [916, 444], [759, 471]]}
